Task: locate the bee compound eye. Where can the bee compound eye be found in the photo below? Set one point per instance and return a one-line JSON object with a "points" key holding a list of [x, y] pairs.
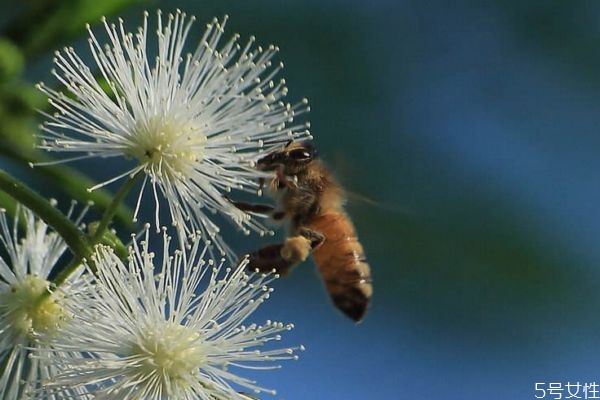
{"points": [[300, 155]]}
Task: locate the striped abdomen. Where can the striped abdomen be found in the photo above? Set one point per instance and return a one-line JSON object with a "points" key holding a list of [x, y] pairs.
{"points": [[342, 263]]}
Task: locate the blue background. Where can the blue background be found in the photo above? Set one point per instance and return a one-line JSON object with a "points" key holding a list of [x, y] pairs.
{"points": [[475, 126]]}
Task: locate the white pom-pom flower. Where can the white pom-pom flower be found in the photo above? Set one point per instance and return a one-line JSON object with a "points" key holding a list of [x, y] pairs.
{"points": [[195, 123], [168, 330], [29, 314]]}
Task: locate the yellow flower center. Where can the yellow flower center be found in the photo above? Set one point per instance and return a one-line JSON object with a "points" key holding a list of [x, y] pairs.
{"points": [[171, 353], [166, 147], [26, 309]]}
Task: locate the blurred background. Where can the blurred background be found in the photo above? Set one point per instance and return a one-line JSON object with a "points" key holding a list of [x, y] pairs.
{"points": [[474, 128]]}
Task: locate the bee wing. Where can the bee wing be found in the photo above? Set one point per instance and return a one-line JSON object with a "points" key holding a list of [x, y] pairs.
{"points": [[355, 197]]}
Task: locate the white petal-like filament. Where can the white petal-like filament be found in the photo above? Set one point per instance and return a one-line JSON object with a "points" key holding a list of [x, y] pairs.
{"points": [[28, 320], [195, 122], [173, 329]]}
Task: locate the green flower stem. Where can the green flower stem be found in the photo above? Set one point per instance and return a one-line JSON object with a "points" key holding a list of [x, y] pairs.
{"points": [[109, 213], [112, 208], [73, 237], [80, 245], [72, 181], [65, 273]]}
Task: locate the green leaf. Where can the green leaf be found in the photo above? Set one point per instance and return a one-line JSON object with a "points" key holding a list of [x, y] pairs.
{"points": [[46, 25], [11, 60]]}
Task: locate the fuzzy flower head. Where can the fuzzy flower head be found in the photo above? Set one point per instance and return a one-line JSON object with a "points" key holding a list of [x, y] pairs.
{"points": [[195, 123], [30, 313], [168, 330]]}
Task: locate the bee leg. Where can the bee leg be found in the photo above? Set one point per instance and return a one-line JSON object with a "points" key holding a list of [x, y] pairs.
{"points": [[252, 207], [262, 209], [315, 238], [282, 181], [296, 249], [269, 258], [283, 256]]}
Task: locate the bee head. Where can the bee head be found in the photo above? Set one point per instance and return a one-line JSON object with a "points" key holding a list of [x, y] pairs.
{"points": [[293, 157]]}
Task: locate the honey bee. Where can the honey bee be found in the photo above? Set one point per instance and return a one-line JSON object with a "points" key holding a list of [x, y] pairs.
{"points": [[312, 201]]}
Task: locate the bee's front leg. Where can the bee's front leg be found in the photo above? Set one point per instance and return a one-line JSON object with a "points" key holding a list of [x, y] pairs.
{"points": [[263, 209], [282, 181]]}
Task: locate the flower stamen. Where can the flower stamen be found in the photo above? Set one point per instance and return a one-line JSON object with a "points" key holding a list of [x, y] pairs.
{"points": [[26, 312]]}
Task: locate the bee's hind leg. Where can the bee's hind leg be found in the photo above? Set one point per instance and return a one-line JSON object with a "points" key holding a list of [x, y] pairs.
{"points": [[315, 238], [296, 249], [269, 258], [283, 256]]}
